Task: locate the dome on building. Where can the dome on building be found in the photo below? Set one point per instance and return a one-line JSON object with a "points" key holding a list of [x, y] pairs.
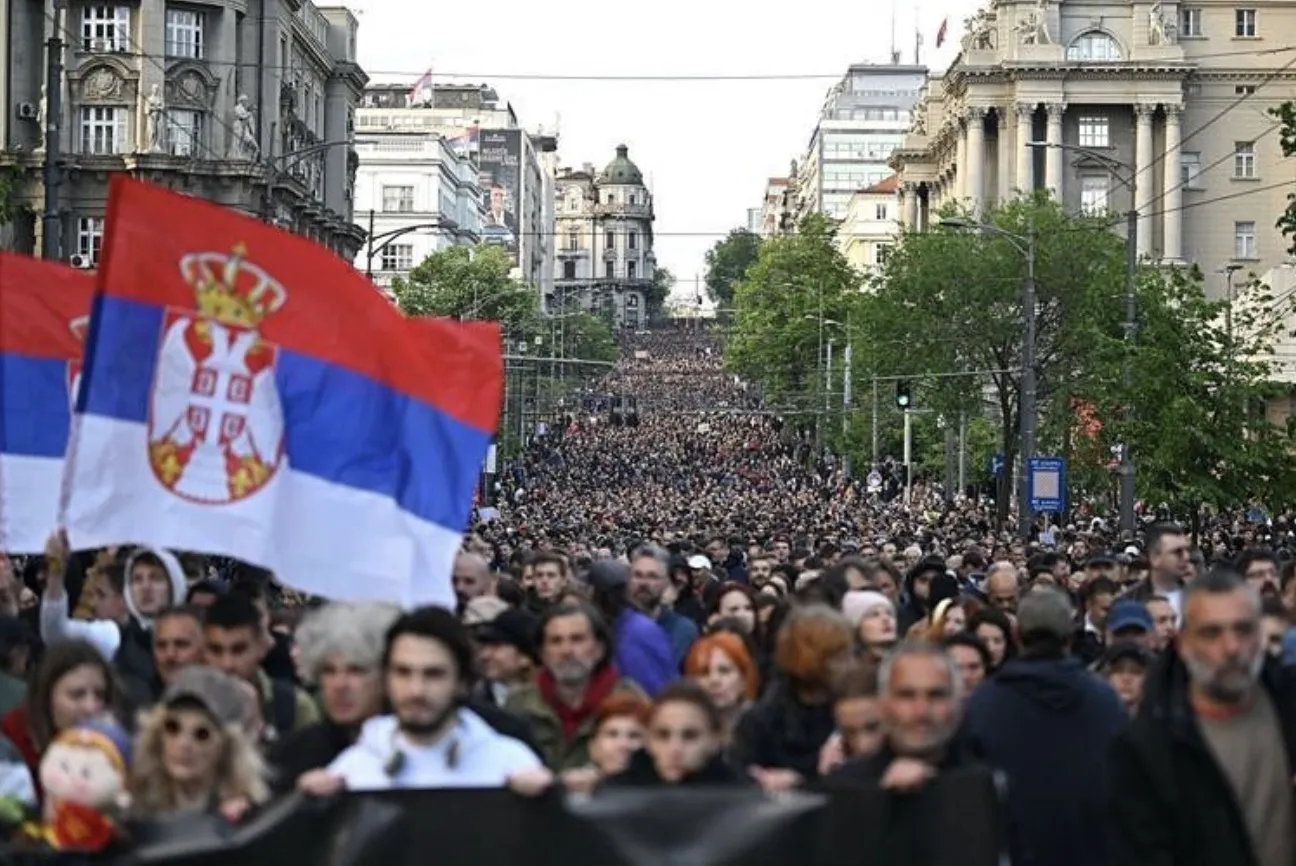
{"points": [[621, 170]]}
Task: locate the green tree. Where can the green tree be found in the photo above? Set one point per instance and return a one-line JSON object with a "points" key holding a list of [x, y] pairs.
{"points": [[655, 297], [586, 338], [465, 283], [1203, 373], [727, 263], [795, 297], [1286, 115], [947, 313]]}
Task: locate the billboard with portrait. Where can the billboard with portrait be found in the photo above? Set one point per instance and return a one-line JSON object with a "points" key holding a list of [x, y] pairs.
{"points": [[500, 165]]}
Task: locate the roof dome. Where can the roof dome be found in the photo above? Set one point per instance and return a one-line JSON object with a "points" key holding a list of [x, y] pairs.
{"points": [[621, 170]]}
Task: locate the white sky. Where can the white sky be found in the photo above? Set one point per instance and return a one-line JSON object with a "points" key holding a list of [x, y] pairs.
{"points": [[706, 146]]}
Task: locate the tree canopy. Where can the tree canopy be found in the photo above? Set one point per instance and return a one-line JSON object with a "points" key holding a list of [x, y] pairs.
{"points": [[727, 263]]}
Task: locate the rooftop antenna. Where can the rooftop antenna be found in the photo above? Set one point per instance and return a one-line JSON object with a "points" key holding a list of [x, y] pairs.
{"points": [[895, 54], [917, 37]]}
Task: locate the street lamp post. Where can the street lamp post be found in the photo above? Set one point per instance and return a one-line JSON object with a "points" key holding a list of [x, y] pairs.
{"points": [[1027, 411], [387, 238], [1126, 469]]}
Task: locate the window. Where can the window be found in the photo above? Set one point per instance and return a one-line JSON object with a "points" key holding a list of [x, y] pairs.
{"points": [[103, 129], [398, 257], [569, 270], [632, 240], [398, 199], [607, 270], [1095, 190], [881, 254], [1244, 240], [609, 241], [1244, 90], [573, 241], [184, 132], [632, 198], [90, 232], [1093, 132], [1244, 161], [880, 212], [184, 33], [1245, 23], [105, 27], [1094, 47], [630, 270], [1190, 169], [1190, 21], [611, 198]]}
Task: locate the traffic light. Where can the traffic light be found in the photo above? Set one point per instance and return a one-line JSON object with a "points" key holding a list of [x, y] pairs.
{"points": [[904, 398]]}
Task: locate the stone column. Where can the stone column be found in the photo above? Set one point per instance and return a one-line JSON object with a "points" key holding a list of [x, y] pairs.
{"points": [[961, 191], [974, 176], [1024, 181], [1172, 248], [1143, 183], [1053, 155], [1005, 160], [911, 206]]}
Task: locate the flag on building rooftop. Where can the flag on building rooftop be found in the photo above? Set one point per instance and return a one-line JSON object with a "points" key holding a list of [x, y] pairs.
{"points": [[247, 393]]}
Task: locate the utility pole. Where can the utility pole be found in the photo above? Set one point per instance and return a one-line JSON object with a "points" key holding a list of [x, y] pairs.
{"points": [[51, 223], [1126, 468], [369, 257], [1027, 408], [908, 449], [962, 452], [846, 404], [874, 425]]}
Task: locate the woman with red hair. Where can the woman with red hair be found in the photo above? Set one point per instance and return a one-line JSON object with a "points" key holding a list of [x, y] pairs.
{"points": [[722, 666]]}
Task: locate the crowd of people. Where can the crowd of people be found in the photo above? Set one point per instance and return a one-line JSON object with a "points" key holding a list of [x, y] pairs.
{"points": [[697, 599]]}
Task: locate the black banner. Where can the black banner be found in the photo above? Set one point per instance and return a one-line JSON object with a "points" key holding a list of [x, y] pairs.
{"points": [[955, 821]]}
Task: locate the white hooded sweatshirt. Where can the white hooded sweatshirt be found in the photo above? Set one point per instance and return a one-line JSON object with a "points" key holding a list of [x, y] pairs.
{"points": [[104, 634], [471, 755]]}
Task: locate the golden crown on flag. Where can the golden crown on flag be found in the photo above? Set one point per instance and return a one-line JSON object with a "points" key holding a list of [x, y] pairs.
{"points": [[230, 289]]}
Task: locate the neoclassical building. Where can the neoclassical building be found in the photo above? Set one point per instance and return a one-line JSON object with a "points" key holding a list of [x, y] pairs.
{"points": [[1086, 99]]}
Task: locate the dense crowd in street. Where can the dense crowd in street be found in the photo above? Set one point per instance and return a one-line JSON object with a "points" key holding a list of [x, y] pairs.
{"points": [[695, 599]]}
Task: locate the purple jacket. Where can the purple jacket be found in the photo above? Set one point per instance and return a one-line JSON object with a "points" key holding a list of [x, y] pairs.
{"points": [[643, 652]]}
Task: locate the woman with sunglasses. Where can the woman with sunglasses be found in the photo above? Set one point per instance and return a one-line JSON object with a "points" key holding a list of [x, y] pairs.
{"points": [[194, 752]]}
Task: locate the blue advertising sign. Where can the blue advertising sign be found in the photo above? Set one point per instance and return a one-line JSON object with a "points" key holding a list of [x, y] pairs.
{"points": [[996, 465], [1046, 484]]}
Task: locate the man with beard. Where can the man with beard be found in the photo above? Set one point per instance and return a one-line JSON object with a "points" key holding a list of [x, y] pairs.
{"points": [[431, 740], [649, 581], [1204, 775], [576, 676]]}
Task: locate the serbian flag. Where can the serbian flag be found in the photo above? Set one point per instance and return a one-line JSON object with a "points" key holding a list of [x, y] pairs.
{"points": [[247, 393], [942, 32], [44, 312]]}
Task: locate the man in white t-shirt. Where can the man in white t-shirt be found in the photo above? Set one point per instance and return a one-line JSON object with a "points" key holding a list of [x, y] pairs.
{"points": [[431, 740]]}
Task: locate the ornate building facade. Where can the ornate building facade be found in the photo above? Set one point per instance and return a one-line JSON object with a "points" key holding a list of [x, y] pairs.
{"points": [[1159, 107], [604, 227], [247, 103]]}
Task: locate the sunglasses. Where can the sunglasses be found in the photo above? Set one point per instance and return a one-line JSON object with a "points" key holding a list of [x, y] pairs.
{"points": [[199, 733]]}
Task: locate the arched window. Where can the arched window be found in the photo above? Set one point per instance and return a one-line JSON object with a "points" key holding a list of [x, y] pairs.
{"points": [[1094, 47]]}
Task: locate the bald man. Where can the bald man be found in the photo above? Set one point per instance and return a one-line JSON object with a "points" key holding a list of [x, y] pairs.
{"points": [[1001, 588], [471, 578]]}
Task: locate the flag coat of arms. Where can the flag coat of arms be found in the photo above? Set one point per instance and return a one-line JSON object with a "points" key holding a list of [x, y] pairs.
{"points": [[247, 393], [44, 313]]}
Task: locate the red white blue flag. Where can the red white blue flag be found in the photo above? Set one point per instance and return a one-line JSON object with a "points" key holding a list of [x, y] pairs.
{"points": [[44, 312], [247, 393]]}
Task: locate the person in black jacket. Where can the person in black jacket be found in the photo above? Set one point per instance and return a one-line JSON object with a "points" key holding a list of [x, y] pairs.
{"points": [[1204, 775], [1047, 723], [685, 736]]}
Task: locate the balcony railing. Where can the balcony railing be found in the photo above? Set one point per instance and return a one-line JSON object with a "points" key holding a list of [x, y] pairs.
{"points": [[623, 209]]}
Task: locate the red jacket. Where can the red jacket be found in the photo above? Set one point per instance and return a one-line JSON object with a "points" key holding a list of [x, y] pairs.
{"points": [[14, 726]]}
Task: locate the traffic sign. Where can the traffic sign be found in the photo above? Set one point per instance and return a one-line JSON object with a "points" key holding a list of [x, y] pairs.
{"points": [[1046, 484], [996, 465], [874, 481]]}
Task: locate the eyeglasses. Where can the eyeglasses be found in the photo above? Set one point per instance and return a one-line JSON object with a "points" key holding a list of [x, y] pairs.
{"points": [[199, 733]]}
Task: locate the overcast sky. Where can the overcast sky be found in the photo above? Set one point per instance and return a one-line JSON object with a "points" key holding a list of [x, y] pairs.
{"points": [[705, 146]]}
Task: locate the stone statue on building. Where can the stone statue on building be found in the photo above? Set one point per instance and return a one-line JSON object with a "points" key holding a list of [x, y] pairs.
{"points": [[245, 144], [1160, 30], [980, 33], [42, 109], [1033, 29], [155, 120]]}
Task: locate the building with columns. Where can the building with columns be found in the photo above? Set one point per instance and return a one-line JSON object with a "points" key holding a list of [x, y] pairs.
{"points": [[1168, 98]]}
